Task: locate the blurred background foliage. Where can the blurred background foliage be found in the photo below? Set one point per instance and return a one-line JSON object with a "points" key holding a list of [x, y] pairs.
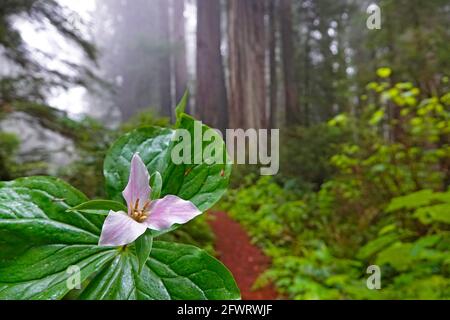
{"points": [[380, 200], [364, 118]]}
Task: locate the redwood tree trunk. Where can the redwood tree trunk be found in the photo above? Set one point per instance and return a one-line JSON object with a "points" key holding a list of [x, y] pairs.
{"points": [[211, 91], [164, 72], [181, 73], [273, 90], [247, 46], [290, 85]]}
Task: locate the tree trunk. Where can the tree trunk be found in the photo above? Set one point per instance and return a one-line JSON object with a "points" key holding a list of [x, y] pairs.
{"points": [[164, 72], [181, 73], [211, 96], [306, 79], [247, 48], [273, 90], [290, 85]]}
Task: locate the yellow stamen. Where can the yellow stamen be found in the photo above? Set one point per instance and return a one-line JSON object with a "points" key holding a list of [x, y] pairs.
{"points": [[140, 214]]}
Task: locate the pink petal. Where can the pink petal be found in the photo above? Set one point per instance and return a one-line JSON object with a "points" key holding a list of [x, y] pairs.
{"points": [[119, 229], [170, 210], [138, 186]]}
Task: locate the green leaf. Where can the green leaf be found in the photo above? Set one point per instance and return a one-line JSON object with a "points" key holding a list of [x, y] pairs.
{"points": [[398, 255], [190, 273], [384, 72], [42, 272], [99, 207], [143, 246], [435, 213], [376, 245], [34, 210], [173, 271], [181, 108], [203, 183], [39, 240], [412, 201], [152, 143], [377, 117], [156, 184]]}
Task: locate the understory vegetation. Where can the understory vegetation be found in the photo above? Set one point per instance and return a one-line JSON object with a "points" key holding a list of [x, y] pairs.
{"points": [[378, 197]]}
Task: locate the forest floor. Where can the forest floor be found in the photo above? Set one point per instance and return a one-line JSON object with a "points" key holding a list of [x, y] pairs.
{"points": [[245, 261]]}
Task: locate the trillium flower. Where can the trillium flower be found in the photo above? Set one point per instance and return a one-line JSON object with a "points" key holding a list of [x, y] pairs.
{"points": [[121, 228]]}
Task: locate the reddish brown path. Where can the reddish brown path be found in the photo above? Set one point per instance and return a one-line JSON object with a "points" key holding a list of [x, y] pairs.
{"points": [[244, 260]]}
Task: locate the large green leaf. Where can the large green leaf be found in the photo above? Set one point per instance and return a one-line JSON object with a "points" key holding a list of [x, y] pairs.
{"points": [[40, 241], [41, 272], [203, 184], [33, 210], [413, 200], [152, 143], [436, 213], [173, 271]]}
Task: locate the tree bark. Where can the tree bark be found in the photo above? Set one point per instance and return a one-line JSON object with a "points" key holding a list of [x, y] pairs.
{"points": [[181, 73], [287, 49], [211, 98], [164, 72], [247, 47], [306, 80], [273, 86]]}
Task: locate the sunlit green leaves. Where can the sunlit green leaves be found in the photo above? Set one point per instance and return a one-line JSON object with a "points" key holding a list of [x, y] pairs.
{"points": [[374, 246], [428, 206], [411, 201], [435, 213], [377, 117], [384, 72]]}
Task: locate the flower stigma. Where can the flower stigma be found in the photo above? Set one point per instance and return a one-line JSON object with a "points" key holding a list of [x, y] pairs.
{"points": [[140, 214]]}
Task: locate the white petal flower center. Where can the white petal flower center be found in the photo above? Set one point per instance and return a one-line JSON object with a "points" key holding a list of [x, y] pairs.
{"points": [[140, 214]]}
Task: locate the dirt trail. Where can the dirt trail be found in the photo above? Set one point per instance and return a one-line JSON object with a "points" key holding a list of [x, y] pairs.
{"points": [[245, 260]]}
